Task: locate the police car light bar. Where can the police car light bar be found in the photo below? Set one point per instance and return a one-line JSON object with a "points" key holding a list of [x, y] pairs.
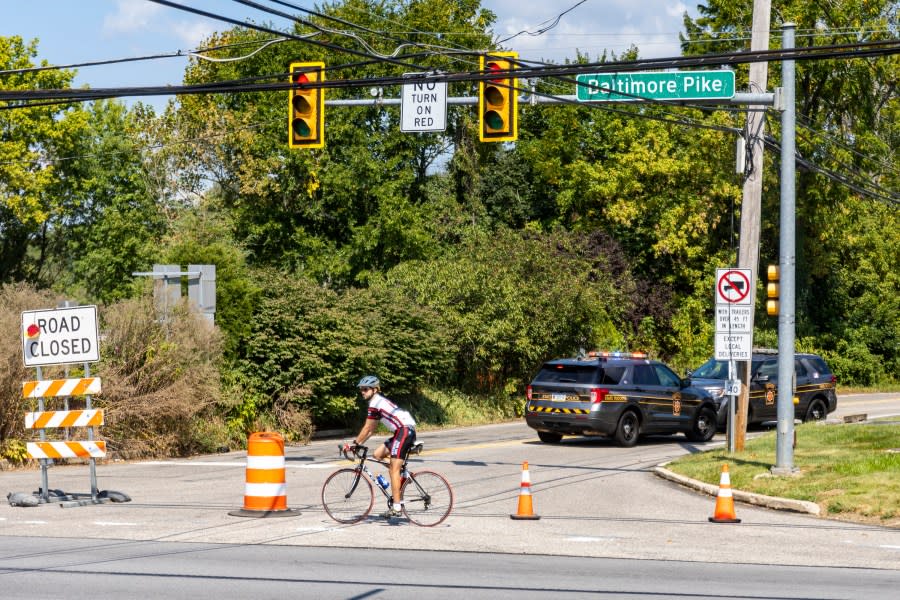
{"points": [[607, 354]]}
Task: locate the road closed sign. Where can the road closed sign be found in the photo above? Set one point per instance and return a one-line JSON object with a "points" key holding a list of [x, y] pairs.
{"points": [[61, 336]]}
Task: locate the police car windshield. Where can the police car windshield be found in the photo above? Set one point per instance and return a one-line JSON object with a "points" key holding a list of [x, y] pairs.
{"points": [[712, 369]]}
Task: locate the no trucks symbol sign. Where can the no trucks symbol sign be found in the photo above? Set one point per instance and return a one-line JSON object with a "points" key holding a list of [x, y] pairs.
{"points": [[733, 287]]}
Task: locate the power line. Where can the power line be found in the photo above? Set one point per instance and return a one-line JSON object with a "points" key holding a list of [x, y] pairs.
{"points": [[846, 51], [249, 25], [198, 53], [553, 23]]}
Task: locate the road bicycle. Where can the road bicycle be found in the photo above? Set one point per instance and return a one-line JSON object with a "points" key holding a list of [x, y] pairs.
{"points": [[348, 494]]}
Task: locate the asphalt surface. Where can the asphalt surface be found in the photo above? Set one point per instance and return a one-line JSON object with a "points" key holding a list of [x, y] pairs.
{"points": [[594, 499]]}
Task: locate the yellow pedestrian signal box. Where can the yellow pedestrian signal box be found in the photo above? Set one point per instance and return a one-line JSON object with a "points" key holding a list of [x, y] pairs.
{"points": [[306, 113], [772, 274], [498, 99]]}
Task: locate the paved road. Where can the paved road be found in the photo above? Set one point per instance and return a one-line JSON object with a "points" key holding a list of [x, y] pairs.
{"points": [[873, 405], [609, 528], [595, 500], [34, 568]]}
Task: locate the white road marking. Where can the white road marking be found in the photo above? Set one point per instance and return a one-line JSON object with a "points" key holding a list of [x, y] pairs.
{"points": [[115, 524]]}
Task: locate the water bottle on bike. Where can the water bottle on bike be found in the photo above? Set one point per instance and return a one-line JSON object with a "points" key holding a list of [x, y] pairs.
{"points": [[383, 482]]}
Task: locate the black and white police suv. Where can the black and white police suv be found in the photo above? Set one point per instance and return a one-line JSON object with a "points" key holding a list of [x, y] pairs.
{"points": [[619, 395]]}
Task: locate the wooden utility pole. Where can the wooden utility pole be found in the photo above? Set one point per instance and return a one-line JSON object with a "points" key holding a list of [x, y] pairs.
{"points": [[748, 246]]}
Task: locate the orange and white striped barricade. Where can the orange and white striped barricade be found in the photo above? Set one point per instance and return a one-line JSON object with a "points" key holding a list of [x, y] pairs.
{"points": [[45, 388], [265, 487], [90, 449]]}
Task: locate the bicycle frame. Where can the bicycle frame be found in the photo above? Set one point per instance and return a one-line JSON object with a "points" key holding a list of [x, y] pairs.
{"points": [[361, 469]]}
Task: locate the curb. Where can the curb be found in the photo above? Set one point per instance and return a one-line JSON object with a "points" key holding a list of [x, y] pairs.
{"points": [[801, 506]]}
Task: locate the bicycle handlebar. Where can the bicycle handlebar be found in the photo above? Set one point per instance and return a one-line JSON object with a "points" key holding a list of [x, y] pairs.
{"points": [[358, 452]]}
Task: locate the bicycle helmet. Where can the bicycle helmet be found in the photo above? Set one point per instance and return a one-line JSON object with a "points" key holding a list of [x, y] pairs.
{"points": [[369, 381]]}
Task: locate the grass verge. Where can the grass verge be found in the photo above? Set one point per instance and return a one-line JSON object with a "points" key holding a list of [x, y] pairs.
{"points": [[852, 471]]}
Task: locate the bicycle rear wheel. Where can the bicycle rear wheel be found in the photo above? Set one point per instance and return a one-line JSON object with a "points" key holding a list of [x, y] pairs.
{"points": [[347, 496], [427, 498]]}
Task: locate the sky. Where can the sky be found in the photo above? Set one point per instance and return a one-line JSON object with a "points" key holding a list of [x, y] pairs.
{"points": [[76, 31]]}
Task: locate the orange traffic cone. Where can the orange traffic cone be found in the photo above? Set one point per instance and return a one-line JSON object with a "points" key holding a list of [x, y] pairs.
{"points": [[525, 511], [724, 500]]}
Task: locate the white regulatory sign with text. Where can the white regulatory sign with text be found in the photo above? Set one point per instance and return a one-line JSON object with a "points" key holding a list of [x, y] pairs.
{"points": [[734, 319], [60, 336], [734, 346], [423, 105]]}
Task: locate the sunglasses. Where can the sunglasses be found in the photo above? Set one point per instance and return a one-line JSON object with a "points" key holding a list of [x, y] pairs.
{"points": [[365, 389]]}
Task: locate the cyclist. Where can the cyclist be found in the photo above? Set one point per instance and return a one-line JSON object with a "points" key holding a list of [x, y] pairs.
{"points": [[399, 421]]}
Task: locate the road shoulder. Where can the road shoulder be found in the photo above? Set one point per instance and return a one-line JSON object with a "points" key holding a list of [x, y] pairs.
{"points": [[772, 502]]}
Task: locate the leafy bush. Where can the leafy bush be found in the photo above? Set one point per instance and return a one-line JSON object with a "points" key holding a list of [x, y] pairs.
{"points": [[15, 299], [309, 345], [15, 451], [160, 381], [511, 301], [853, 363]]}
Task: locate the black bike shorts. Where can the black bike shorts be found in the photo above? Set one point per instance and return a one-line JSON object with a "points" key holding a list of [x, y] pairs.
{"points": [[398, 445]]}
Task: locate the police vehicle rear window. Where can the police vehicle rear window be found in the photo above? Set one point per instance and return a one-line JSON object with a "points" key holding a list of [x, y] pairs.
{"points": [[567, 374], [613, 375]]}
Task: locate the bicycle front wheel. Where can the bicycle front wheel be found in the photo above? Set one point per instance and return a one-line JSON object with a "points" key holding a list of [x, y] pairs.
{"points": [[427, 498], [347, 496]]}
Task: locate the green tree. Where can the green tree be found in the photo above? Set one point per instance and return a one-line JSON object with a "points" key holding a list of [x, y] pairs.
{"points": [[511, 300], [308, 210], [847, 136], [31, 151], [308, 345], [659, 181], [116, 222]]}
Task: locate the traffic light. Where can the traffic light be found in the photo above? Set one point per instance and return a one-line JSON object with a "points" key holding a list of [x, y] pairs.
{"points": [[306, 125], [772, 274], [498, 99]]}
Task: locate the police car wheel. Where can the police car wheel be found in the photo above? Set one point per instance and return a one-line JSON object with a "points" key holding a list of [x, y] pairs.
{"points": [[704, 428], [816, 411], [548, 437], [628, 429]]}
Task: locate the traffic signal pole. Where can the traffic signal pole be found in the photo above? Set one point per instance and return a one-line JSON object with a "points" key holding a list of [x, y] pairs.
{"points": [[784, 447]]}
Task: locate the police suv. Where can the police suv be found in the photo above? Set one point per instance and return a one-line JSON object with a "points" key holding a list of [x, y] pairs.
{"points": [[618, 395], [814, 394]]}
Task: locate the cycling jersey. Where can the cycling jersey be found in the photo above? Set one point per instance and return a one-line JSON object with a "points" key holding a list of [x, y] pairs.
{"points": [[390, 414]]}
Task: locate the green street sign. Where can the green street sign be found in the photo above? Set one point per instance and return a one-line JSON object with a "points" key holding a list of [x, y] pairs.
{"points": [[676, 85]]}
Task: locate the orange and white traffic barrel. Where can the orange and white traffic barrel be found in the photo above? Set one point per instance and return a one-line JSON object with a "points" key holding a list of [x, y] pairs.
{"points": [[265, 487]]}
